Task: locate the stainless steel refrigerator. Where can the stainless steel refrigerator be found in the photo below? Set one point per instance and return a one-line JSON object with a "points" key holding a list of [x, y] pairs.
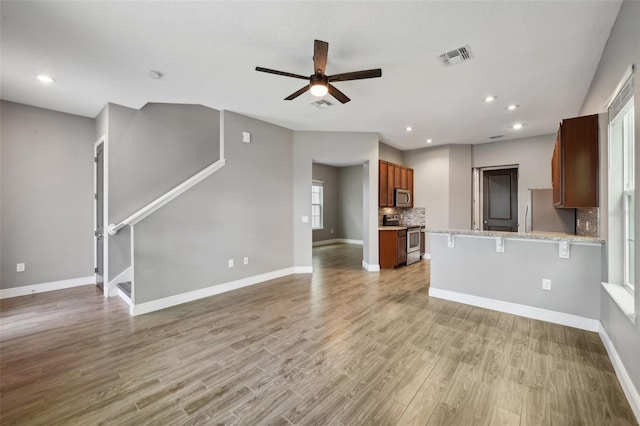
{"points": [[542, 216]]}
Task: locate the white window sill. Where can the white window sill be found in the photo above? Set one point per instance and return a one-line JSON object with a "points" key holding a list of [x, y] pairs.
{"points": [[317, 229], [623, 298]]}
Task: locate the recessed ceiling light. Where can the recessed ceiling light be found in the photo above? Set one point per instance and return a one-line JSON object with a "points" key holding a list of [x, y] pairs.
{"points": [[429, 140], [156, 75], [517, 126], [490, 98], [512, 107], [45, 79], [408, 128]]}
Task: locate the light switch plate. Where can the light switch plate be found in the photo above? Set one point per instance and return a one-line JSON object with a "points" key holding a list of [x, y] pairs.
{"points": [[246, 137], [20, 267], [230, 263]]}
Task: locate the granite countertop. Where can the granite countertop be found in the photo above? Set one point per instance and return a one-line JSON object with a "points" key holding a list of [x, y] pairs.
{"points": [[391, 228], [548, 236]]}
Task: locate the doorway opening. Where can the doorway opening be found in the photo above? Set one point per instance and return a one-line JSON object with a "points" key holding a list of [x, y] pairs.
{"points": [[337, 206], [101, 244], [495, 198]]}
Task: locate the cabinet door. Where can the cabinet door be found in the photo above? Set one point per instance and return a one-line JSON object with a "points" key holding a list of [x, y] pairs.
{"points": [[398, 176], [391, 172], [556, 178], [382, 183], [410, 183], [403, 178], [579, 162], [402, 248]]}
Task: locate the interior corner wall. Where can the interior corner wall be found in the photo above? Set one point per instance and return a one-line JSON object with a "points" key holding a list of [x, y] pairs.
{"points": [[622, 50], [390, 154], [151, 151], [460, 186], [330, 177], [46, 195], [533, 157], [334, 148], [350, 201], [243, 210]]}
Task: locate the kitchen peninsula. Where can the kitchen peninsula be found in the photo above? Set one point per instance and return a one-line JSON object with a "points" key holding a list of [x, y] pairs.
{"points": [[549, 276]]}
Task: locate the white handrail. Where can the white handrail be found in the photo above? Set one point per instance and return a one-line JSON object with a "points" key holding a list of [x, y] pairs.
{"points": [[164, 199]]}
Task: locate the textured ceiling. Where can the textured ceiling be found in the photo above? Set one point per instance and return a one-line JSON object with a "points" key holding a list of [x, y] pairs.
{"points": [[540, 55]]}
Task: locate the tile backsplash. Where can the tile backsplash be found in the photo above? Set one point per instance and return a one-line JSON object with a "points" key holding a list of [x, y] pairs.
{"points": [[409, 216], [587, 222]]}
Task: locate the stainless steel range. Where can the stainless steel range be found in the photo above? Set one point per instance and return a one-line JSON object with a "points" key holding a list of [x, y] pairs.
{"points": [[413, 244]]}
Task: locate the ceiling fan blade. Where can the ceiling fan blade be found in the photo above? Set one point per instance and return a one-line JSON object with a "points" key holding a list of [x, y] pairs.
{"points": [[320, 51], [338, 94], [286, 74], [298, 93], [356, 75]]}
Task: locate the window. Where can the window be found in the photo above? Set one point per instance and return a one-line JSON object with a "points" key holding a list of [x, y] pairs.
{"points": [[621, 175], [316, 204]]}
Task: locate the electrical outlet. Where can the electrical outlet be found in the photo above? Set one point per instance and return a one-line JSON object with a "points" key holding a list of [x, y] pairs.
{"points": [[546, 284], [230, 263], [20, 267], [246, 260], [332, 231]]}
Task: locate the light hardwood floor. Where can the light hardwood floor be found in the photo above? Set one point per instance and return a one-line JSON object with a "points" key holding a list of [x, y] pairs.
{"points": [[339, 347]]}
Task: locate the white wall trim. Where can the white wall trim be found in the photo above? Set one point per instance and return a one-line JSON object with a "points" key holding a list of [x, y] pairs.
{"points": [[336, 241], [623, 376], [555, 317], [178, 299], [7, 293], [122, 277], [370, 268], [124, 297], [426, 256], [302, 270]]}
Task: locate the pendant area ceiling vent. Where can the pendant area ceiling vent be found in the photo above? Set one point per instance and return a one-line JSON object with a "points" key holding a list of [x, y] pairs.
{"points": [[456, 56], [321, 103], [496, 136]]}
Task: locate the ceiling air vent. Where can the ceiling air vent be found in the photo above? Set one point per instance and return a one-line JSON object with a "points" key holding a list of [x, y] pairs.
{"points": [[456, 56], [496, 136], [321, 103]]}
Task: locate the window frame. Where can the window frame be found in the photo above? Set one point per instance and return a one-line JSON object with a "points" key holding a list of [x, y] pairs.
{"points": [[317, 184]]}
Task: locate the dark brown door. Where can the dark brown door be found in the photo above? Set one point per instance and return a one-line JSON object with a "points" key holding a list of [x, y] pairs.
{"points": [[500, 200]]}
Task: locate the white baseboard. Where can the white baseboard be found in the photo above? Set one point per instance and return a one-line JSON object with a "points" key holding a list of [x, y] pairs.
{"points": [[178, 299], [370, 268], [555, 317], [6, 293], [426, 256], [302, 270], [629, 389], [336, 241], [122, 277], [123, 296]]}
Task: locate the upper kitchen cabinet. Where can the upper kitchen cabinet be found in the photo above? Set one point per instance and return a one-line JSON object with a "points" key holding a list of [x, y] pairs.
{"points": [[390, 177], [574, 166]]}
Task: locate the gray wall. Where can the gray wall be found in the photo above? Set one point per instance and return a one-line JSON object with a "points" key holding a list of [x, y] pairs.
{"points": [[152, 150], [621, 50], [336, 148], [460, 186], [245, 209], [389, 153], [46, 195], [351, 198], [516, 275], [533, 157], [330, 176]]}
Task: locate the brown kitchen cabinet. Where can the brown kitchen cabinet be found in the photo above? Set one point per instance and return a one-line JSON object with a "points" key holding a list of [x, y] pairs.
{"points": [[390, 177], [392, 248], [574, 165]]}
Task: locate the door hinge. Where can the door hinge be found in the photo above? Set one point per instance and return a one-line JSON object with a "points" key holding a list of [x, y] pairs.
{"points": [[95, 270], [95, 196], [95, 159]]}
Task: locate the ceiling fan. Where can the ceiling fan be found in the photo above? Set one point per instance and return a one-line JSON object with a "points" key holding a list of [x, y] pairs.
{"points": [[320, 83]]}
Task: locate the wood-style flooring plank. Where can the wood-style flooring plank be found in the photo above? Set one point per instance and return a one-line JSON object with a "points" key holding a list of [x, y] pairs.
{"points": [[340, 347]]}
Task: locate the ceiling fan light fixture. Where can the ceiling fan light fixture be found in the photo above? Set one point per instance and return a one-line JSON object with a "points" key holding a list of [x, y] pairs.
{"points": [[319, 89]]}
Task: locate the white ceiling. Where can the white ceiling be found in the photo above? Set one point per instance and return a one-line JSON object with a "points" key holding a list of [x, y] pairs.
{"points": [[539, 54]]}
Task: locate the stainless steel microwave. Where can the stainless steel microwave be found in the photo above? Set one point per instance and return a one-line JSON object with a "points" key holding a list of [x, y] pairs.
{"points": [[402, 198]]}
